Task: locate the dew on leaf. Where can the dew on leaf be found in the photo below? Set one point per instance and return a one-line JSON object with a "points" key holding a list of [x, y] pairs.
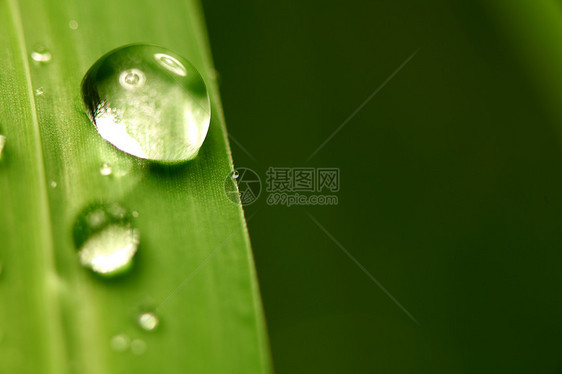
{"points": [[148, 321], [148, 102], [105, 169], [41, 55], [2, 143], [106, 238]]}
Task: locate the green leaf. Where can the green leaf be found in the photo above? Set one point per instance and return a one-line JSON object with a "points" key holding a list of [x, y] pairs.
{"points": [[194, 266]]}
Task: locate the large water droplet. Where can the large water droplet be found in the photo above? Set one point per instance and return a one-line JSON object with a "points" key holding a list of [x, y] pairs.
{"points": [[148, 321], [149, 102], [106, 238], [41, 55]]}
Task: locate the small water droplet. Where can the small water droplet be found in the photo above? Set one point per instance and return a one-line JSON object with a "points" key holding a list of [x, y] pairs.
{"points": [[120, 343], [148, 321], [73, 24], [39, 91], [138, 346], [134, 213], [53, 184], [2, 143], [235, 174], [41, 55], [148, 102], [106, 238], [105, 169]]}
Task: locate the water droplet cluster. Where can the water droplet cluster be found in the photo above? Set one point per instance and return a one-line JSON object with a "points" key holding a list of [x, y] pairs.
{"points": [[150, 103]]}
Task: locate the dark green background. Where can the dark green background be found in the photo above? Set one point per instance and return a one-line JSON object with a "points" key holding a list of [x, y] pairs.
{"points": [[450, 185]]}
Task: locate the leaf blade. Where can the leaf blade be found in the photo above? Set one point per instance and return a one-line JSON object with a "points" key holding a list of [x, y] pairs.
{"points": [[221, 324]]}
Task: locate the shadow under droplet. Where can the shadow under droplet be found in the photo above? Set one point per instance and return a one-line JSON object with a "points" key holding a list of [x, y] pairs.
{"points": [[172, 170]]}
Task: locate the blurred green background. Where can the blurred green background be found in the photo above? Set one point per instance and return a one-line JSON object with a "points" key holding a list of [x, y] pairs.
{"points": [[450, 181]]}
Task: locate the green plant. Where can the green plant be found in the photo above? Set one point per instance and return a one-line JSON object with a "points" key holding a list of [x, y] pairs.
{"points": [[194, 266]]}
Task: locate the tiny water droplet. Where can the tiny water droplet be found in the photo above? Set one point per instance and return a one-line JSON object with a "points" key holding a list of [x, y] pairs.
{"points": [[106, 238], [148, 102], [73, 24], [105, 169], [39, 91], [2, 143], [138, 346], [120, 343], [53, 184], [134, 213], [235, 174], [41, 55], [148, 321]]}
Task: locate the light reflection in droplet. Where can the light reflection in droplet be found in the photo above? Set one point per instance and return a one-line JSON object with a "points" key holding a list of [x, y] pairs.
{"points": [[110, 250], [2, 143], [41, 55], [132, 78], [105, 169], [171, 63], [148, 321]]}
